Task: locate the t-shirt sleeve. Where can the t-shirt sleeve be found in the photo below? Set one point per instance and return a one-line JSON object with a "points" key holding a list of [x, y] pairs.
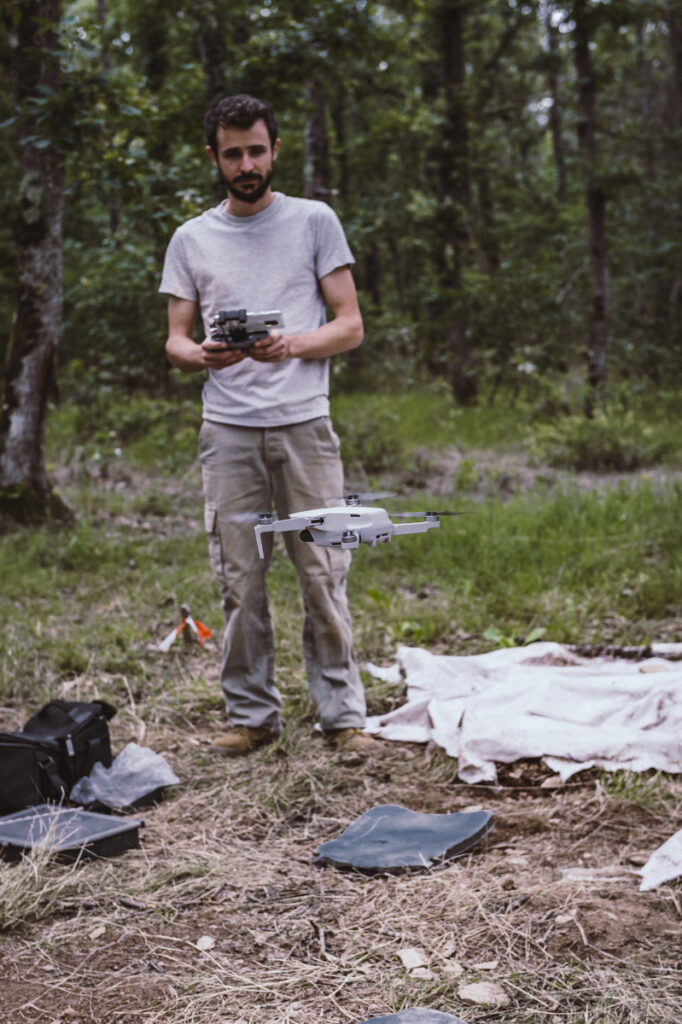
{"points": [[331, 247], [177, 278]]}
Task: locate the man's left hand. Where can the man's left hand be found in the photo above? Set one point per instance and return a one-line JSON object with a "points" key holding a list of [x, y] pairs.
{"points": [[273, 349]]}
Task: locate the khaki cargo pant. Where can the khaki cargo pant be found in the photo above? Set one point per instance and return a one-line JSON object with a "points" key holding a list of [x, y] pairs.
{"points": [[246, 470]]}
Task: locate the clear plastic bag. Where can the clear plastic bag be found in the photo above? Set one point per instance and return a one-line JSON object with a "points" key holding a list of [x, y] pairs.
{"points": [[136, 776]]}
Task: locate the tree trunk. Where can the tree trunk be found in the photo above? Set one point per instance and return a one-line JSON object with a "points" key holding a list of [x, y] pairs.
{"points": [[113, 201], [338, 115], [555, 115], [316, 157], [488, 233], [596, 208], [209, 37], [673, 19], [643, 72], [25, 492], [455, 199]]}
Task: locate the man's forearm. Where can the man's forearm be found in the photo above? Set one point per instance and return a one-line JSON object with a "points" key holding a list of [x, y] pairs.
{"points": [[184, 353], [338, 335]]}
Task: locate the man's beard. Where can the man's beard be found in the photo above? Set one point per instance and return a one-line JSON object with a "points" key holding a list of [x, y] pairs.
{"points": [[253, 195]]}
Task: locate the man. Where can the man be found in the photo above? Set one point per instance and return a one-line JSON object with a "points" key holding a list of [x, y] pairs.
{"points": [[266, 437]]}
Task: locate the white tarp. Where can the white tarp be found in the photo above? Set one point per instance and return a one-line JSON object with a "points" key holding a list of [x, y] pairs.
{"points": [[544, 701], [540, 701], [664, 864]]}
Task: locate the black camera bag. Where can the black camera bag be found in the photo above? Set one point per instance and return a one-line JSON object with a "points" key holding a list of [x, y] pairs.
{"points": [[57, 746], [28, 773]]}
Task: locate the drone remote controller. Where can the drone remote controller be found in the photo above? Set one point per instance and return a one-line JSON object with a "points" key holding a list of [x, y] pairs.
{"points": [[235, 328]]}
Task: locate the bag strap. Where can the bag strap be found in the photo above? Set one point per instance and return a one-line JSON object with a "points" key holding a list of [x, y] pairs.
{"points": [[50, 768]]}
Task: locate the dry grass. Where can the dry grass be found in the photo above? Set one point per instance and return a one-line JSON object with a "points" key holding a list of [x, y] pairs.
{"points": [[229, 856]]}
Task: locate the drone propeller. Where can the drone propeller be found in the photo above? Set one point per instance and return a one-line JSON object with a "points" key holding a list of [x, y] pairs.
{"points": [[411, 515], [251, 518], [355, 497]]}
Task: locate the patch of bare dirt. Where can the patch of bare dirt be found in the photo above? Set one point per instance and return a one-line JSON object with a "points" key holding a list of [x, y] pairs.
{"points": [[222, 917], [482, 474]]}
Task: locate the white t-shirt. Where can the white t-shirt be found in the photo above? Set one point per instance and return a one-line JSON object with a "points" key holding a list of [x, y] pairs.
{"points": [[271, 260]]}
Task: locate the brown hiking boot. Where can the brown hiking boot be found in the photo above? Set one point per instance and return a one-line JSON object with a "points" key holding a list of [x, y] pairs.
{"points": [[353, 741], [242, 739]]}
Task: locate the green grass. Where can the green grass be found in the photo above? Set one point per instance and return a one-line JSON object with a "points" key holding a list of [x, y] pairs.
{"points": [[578, 566], [572, 566], [381, 432], [114, 431], [82, 607], [614, 441], [655, 791]]}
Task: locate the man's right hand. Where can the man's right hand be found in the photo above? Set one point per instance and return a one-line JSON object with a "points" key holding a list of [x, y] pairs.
{"points": [[216, 355], [183, 352]]}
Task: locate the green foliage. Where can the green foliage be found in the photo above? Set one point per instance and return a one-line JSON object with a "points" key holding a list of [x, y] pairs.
{"points": [[616, 442], [97, 434], [497, 638], [381, 433], [563, 565], [654, 791], [369, 440], [135, 84], [593, 567]]}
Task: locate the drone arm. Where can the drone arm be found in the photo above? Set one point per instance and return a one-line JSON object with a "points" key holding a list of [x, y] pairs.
{"points": [[420, 527], [292, 523], [280, 526]]}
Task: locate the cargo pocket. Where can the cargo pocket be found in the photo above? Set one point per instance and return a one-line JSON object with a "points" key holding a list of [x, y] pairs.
{"points": [[210, 517], [215, 548], [325, 437]]}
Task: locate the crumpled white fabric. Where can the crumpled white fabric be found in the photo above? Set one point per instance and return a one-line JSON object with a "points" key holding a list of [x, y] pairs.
{"points": [[545, 701], [664, 864], [540, 701]]}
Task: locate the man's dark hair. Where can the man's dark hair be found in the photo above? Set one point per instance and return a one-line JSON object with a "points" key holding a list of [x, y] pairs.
{"points": [[241, 111]]}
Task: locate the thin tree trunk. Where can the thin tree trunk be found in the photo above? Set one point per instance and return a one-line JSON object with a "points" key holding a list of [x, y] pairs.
{"points": [[648, 157], [596, 208], [555, 112], [338, 114], [488, 234], [373, 275], [113, 200], [673, 19], [401, 280], [25, 492], [455, 198], [316, 156], [211, 47]]}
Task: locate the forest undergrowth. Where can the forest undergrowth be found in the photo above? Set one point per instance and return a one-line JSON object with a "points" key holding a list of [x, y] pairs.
{"points": [[221, 915]]}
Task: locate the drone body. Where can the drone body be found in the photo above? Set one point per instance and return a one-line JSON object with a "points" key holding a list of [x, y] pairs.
{"points": [[344, 526]]}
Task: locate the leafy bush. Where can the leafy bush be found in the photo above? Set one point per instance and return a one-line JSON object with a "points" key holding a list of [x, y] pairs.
{"points": [[609, 442], [370, 441], [148, 430], [382, 432]]}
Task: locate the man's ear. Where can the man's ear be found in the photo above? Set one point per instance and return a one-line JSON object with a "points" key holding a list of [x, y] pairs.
{"points": [[275, 149], [213, 158]]}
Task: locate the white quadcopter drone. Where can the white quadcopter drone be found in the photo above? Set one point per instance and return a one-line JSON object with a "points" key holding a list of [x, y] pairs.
{"points": [[346, 526]]}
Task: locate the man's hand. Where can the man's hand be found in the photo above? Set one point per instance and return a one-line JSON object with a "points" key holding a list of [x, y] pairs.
{"points": [[273, 349], [183, 352], [216, 356]]}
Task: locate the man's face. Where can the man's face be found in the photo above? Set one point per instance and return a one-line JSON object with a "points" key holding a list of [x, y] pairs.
{"points": [[245, 161]]}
